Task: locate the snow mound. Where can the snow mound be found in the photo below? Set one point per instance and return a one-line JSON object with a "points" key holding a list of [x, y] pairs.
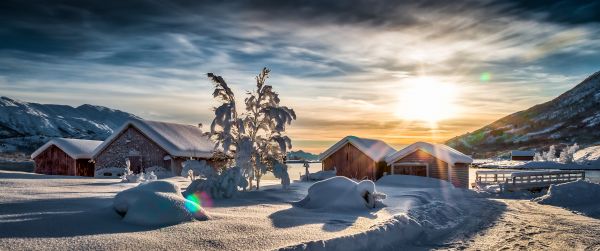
{"points": [[341, 193], [159, 171], [420, 225], [157, 203], [581, 196], [320, 175], [140, 177], [412, 181]]}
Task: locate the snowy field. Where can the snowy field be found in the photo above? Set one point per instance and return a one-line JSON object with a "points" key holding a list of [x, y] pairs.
{"points": [[58, 212], [41, 212]]}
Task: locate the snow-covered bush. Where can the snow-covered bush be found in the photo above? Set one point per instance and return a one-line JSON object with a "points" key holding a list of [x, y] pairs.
{"points": [[341, 193], [223, 185], [199, 168], [156, 203], [110, 172]]}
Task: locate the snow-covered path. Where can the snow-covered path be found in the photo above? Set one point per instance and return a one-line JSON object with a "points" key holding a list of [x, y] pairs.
{"points": [[526, 225]]}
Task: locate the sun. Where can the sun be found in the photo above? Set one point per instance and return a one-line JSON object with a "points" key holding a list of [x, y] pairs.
{"points": [[427, 100]]}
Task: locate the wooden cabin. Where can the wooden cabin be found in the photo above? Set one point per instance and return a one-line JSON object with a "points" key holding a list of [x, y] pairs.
{"points": [[357, 158], [152, 143], [431, 160], [522, 155], [62, 156]]}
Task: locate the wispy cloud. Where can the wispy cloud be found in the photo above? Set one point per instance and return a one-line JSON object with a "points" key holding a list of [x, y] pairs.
{"points": [[340, 65]]}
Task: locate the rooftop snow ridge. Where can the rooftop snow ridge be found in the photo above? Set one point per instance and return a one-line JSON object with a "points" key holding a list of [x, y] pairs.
{"points": [[375, 149], [75, 148], [440, 151]]}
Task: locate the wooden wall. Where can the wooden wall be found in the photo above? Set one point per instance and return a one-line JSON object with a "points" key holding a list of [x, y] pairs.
{"points": [[55, 161], [352, 163], [460, 175], [437, 168]]}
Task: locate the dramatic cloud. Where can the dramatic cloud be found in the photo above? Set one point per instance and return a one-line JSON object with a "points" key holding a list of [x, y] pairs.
{"points": [[340, 64]]}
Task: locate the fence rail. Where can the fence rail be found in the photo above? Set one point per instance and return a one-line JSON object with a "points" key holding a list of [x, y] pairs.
{"points": [[523, 180]]}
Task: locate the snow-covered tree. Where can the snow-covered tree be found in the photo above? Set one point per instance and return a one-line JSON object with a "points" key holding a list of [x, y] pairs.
{"points": [[550, 155], [567, 154], [255, 137]]}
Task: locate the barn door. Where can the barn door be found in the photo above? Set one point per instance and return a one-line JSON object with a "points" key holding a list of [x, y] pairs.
{"points": [[135, 163]]}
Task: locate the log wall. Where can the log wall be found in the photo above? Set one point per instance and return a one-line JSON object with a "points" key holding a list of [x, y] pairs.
{"points": [[436, 167], [352, 163], [460, 175], [54, 161]]}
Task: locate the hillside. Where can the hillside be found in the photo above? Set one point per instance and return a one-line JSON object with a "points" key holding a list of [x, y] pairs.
{"points": [[25, 126], [572, 117], [302, 155]]}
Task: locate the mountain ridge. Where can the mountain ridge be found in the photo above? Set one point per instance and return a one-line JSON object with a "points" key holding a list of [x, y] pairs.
{"points": [[572, 117], [24, 126]]}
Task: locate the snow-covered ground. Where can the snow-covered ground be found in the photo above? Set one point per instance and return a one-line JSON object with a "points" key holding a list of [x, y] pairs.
{"points": [[61, 212], [44, 212]]}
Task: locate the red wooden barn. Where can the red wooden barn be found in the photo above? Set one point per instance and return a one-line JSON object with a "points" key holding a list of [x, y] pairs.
{"points": [[431, 160], [357, 158], [361, 158], [152, 143], [62, 156]]}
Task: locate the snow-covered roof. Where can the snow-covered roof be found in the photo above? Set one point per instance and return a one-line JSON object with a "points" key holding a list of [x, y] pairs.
{"points": [[440, 151], [75, 148], [522, 153], [375, 149], [177, 139]]}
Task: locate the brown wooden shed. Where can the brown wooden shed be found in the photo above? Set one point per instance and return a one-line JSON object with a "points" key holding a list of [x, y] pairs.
{"points": [[153, 143], [357, 158], [62, 156], [431, 160]]}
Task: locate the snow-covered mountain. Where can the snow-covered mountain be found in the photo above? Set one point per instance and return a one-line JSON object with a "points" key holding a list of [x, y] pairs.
{"points": [[572, 117], [25, 126]]}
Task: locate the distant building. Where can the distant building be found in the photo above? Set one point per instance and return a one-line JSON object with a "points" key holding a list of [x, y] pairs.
{"points": [[522, 155], [151, 143], [62, 156], [361, 158]]}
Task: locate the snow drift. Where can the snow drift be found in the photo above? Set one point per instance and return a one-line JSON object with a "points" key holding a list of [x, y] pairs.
{"points": [[581, 196], [156, 203], [341, 193], [424, 209]]}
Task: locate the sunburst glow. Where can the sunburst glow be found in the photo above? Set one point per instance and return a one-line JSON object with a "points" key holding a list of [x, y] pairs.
{"points": [[428, 100]]}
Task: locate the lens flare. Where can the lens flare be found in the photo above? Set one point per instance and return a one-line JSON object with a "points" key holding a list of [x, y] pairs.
{"points": [[196, 201], [485, 77]]}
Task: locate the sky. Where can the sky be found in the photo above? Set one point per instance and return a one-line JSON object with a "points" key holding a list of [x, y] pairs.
{"points": [[392, 70]]}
